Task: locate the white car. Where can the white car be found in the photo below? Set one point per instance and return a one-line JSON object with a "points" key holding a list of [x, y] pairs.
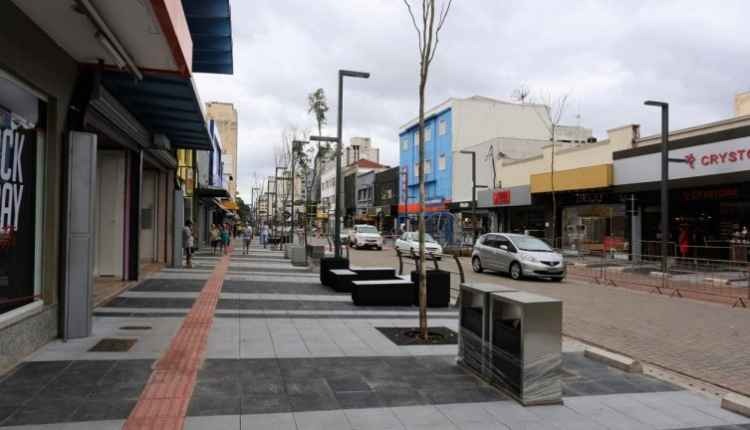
{"points": [[364, 235], [409, 242]]}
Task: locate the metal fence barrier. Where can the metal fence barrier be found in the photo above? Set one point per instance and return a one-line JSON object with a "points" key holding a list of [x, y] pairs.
{"points": [[724, 281]]}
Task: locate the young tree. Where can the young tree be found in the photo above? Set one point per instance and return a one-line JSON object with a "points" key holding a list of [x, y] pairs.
{"points": [[317, 104], [428, 36]]}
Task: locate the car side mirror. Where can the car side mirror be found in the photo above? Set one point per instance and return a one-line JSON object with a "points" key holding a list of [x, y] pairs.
{"points": [[504, 247]]}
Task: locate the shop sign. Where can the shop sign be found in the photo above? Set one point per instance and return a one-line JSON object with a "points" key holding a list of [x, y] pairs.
{"points": [[500, 197], [17, 213], [717, 158], [616, 243], [717, 194]]}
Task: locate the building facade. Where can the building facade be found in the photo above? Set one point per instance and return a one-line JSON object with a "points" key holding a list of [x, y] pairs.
{"points": [[387, 199], [225, 116], [92, 113], [488, 127]]}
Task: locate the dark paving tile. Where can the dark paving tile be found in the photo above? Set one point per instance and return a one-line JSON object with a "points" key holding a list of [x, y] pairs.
{"points": [[359, 400], [35, 373], [401, 397], [6, 411], [151, 302], [307, 402], [59, 411], [263, 386], [215, 405], [265, 404], [218, 388], [171, 285], [17, 395], [100, 410], [349, 383], [278, 288], [308, 386], [462, 395]]}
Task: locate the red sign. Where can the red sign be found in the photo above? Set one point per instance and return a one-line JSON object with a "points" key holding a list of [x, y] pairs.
{"points": [[717, 158], [616, 243], [501, 197]]}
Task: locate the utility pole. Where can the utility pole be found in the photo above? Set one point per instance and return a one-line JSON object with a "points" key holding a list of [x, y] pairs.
{"points": [[473, 192], [664, 179]]}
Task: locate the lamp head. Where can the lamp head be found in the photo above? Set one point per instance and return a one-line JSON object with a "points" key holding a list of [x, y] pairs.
{"points": [[354, 74], [655, 103]]}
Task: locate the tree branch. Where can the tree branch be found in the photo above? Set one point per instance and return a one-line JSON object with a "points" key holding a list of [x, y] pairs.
{"points": [[416, 27]]}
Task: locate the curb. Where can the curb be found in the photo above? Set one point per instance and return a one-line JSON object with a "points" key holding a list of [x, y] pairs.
{"points": [[736, 403], [614, 360]]}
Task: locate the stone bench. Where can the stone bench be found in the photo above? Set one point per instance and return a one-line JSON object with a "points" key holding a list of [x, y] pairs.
{"points": [[342, 279], [383, 292], [374, 273], [326, 264], [438, 288]]}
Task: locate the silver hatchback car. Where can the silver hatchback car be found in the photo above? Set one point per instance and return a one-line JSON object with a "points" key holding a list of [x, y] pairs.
{"points": [[517, 254]]}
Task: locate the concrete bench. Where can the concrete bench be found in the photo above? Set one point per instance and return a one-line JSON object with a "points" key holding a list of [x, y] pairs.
{"points": [[383, 292], [374, 273], [438, 288], [326, 264], [342, 279]]}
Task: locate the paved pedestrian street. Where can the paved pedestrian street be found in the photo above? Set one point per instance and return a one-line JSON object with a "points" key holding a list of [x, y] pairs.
{"points": [[251, 342]]}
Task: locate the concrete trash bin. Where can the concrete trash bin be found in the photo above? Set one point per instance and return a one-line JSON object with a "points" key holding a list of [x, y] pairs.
{"points": [[297, 255], [526, 346], [474, 332]]}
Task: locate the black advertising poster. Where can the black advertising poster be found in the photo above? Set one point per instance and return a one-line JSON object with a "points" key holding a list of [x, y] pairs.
{"points": [[17, 213]]}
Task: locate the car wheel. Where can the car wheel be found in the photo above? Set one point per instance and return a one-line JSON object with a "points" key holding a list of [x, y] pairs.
{"points": [[515, 271], [476, 265], [379, 248], [557, 279]]}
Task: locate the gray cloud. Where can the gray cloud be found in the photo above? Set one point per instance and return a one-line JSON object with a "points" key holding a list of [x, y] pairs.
{"points": [[608, 56]]}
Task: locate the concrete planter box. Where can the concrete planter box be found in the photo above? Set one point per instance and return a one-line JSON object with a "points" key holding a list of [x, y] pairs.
{"points": [[297, 255], [329, 263], [383, 292], [316, 251], [438, 288]]}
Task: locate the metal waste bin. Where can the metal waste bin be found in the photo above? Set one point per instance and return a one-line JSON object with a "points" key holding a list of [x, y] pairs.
{"points": [[474, 321], [526, 346]]}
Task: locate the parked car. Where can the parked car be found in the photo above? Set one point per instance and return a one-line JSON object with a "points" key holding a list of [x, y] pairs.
{"points": [[518, 255], [409, 241], [344, 236], [364, 235]]}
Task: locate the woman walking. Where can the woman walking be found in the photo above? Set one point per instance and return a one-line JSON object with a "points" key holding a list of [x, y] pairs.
{"points": [[214, 237], [225, 238]]}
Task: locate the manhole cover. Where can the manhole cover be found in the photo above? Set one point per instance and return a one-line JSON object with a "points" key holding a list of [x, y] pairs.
{"points": [[114, 345], [136, 327]]}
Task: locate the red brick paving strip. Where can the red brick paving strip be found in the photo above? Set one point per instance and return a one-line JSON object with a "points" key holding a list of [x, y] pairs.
{"points": [[164, 400]]}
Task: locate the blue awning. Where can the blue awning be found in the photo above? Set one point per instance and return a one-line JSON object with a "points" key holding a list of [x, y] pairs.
{"points": [[164, 104], [210, 23]]}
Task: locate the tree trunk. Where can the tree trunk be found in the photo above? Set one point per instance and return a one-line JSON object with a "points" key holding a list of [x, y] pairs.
{"points": [[422, 198]]}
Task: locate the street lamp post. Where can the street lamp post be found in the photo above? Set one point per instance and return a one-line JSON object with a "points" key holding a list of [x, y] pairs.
{"points": [[665, 160], [339, 179], [473, 191], [255, 205]]}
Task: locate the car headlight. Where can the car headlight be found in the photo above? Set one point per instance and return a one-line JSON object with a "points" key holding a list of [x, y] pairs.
{"points": [[529, 258]]}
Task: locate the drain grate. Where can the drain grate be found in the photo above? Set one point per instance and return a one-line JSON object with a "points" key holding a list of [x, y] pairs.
{"points": [[136, 327], [114, 345]]}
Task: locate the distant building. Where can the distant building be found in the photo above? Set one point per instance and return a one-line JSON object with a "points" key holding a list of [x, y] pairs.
{"points": [[225, 116], [477, 124], [386, 200]]}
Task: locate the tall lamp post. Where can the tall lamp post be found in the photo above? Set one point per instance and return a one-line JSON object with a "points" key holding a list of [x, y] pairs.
{"points": [[256, 198], [665, 160], [339, 179], [474, 187]]}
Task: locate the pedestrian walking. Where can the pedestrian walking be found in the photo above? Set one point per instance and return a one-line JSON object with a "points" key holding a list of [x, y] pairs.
{"points": [[264, 235], [188, 243], [225, 238], [247, 237], [214, 234]]}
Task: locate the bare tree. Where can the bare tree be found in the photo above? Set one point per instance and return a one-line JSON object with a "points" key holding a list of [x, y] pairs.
{"points": [[428, 36]]}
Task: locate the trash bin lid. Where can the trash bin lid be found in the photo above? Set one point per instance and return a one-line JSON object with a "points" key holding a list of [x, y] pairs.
{"points": [[487, 288], [523, 297]]}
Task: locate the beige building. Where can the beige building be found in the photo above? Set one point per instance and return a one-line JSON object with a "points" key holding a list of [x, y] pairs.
{"points": [[225, 116]]}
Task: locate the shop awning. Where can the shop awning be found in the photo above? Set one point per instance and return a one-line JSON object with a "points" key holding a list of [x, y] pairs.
{"points": [[165, 104], [209, 191], [228, 205], [210, 26]]}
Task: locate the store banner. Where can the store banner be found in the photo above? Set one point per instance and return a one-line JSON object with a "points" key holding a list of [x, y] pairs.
{"points": [[17, 216], [728, 156], [503, 197]]}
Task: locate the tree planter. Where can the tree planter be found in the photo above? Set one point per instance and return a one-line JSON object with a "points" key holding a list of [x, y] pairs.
{"points": [[329, 263], [438, 288]]}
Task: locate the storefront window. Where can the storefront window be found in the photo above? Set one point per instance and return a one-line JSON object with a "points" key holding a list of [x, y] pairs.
{"points": [[594, 228], [19, 126]]}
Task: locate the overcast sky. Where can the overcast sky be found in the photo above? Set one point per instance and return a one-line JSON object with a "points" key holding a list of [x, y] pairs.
{"points": [[608, 56]]}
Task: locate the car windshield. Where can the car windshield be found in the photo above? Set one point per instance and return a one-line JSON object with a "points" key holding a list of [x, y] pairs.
{"points": [[368, 229], [528, 243], [415, 237]]}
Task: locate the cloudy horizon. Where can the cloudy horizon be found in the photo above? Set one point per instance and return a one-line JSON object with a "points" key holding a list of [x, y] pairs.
{"points": [[607, 57]]}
